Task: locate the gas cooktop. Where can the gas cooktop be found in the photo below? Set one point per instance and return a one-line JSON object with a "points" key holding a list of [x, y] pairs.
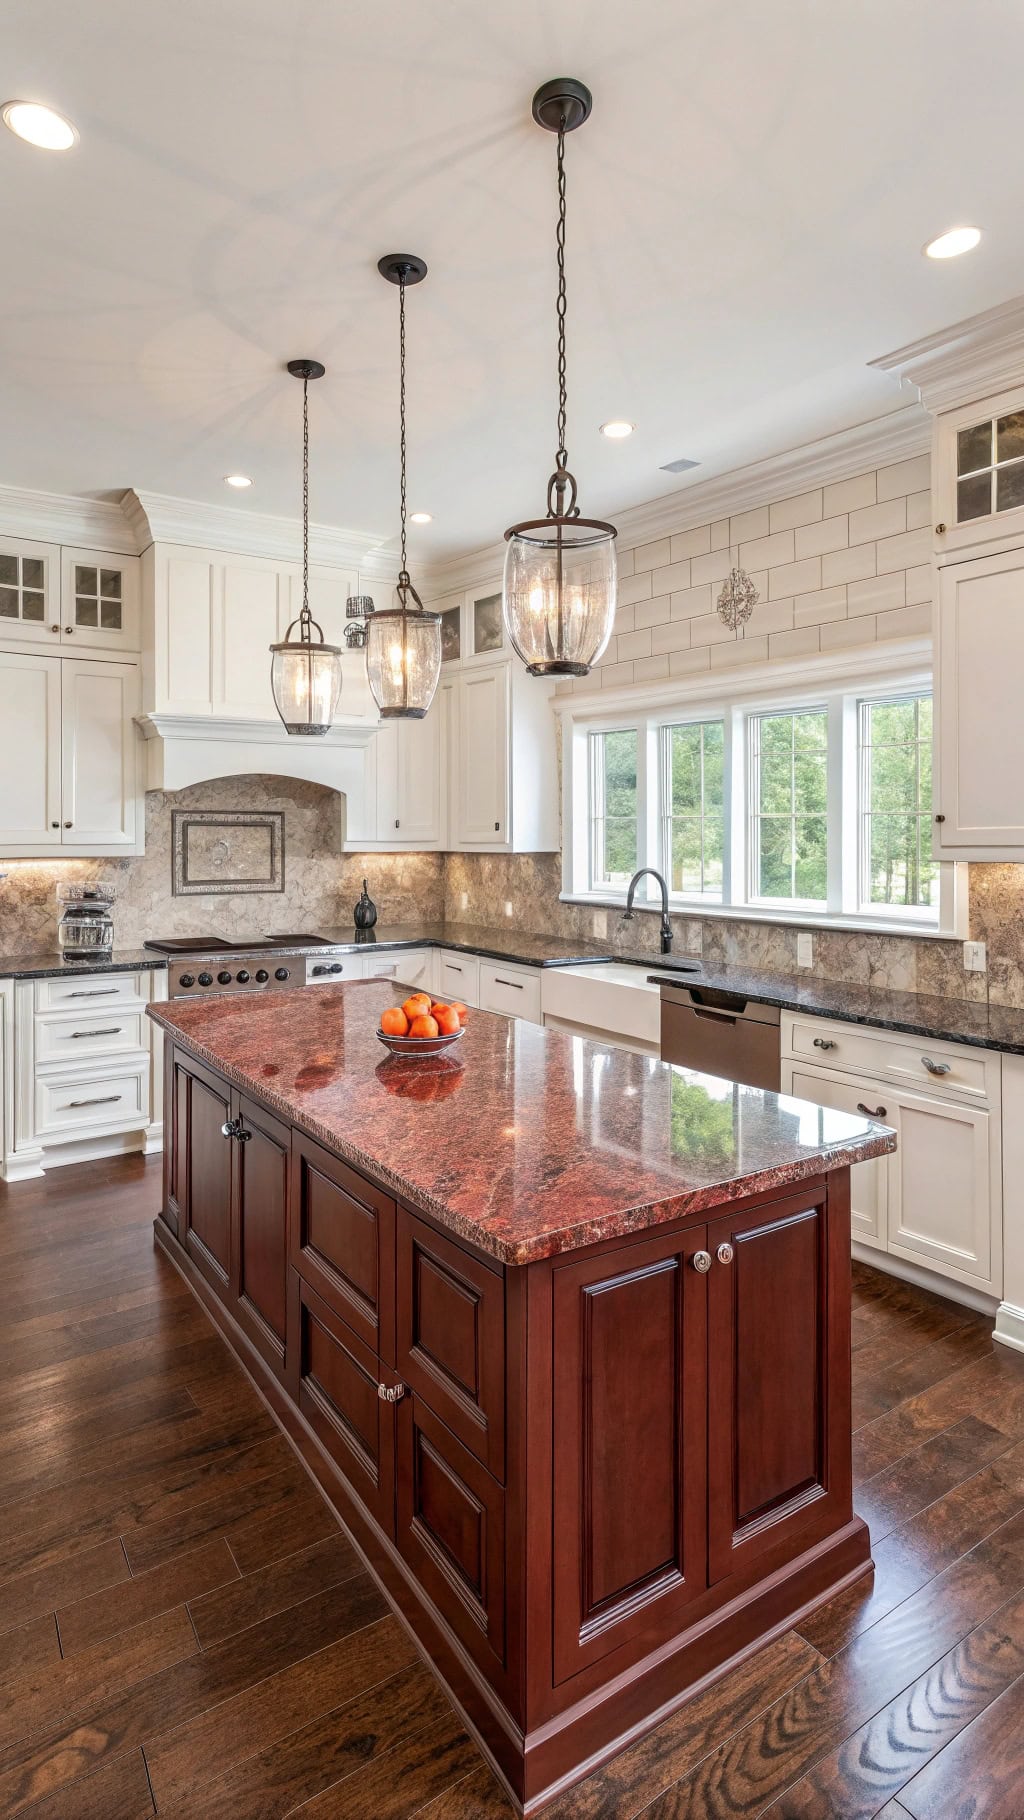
{"points": [[216, 944]]}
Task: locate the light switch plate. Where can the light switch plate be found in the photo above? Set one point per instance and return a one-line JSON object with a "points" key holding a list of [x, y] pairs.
{"points": [[975, 958], [805, 950]]}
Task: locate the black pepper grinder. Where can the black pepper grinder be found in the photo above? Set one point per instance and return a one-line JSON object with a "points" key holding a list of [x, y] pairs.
{"points": [[365, 913]]}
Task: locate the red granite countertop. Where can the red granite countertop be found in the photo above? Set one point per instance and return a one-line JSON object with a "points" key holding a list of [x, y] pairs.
{"points": [[524, 1141]]}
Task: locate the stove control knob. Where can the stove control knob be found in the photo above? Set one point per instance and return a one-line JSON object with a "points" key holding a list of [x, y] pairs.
{"points": [[336, 967], [186, 979], [224, 978], [206, 979], [281, 973], [317, 971], [242, 976], [263, 976]]}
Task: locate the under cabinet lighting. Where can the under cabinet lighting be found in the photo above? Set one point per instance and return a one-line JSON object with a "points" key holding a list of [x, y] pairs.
{"points": [[39, 125], [950, 245]]}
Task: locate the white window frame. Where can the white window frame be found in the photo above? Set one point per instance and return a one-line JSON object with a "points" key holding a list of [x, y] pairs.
{"points": [[835, 684], [663, 801], [596, 785], [901, 912]]}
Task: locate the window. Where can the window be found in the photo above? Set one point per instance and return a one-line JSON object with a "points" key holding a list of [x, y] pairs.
{"points": [[896, 862], [789, 806], [614, 808], [693, 837]]}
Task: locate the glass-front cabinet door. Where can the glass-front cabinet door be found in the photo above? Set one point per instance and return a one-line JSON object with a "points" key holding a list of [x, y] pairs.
{"points": [[99, 601], [29, 594], [979, 472]]}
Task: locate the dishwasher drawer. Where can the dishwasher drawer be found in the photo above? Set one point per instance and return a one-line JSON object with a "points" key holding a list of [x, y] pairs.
{"points": [[731, 1036]]}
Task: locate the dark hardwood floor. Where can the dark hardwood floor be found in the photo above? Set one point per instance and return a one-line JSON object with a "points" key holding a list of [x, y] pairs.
{"points": [[185, 1630]]}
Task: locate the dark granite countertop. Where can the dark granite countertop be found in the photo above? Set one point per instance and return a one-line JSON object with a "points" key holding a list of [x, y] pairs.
{"points": [[53, 966], [526, 1142], [469, 938]]}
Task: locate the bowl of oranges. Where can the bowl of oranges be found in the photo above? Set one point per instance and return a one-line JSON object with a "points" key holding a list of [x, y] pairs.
{"points": [[422, 1025]]}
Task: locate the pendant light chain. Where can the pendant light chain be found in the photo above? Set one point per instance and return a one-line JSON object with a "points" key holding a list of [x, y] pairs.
{"points": [[304, 616], [562, 454], [401, 368]]}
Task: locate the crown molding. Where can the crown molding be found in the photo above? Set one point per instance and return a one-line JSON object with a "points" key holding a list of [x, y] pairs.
{"points": [[957, 365], [876, 444], [159, 518], [92, 524]]}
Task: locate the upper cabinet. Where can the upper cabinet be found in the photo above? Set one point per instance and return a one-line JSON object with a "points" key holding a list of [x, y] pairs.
{"points": [[978, 474], [504, 762], [60, 598], [68, 736]]}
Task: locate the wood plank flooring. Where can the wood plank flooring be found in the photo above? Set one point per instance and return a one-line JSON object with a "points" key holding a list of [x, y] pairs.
{"points": [[185, 1631]]}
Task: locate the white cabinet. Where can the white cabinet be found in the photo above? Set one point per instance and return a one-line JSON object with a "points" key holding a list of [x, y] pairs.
{"points": [[405, 779], [69, 750], [29, 593], [979, 727], [246, 622], [53, 597], [457, 977], [483, 780], [506, 792], [412, 967], [868, 1191], [514, 991], [944, 1188]]}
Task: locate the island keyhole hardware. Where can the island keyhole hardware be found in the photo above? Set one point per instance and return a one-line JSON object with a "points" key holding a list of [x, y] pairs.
{"points": [[391, 1393], [702, 1262], [724, 1254], [233, 1128]]}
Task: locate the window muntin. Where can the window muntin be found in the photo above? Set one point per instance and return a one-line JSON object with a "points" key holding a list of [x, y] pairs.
{"points": [[693, 814], [614, 807], [990, 467], [788, 754], [895, 810]]}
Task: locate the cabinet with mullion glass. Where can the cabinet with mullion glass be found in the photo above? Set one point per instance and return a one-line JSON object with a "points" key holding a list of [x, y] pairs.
{"points": [[53, 597], [29, 590]]}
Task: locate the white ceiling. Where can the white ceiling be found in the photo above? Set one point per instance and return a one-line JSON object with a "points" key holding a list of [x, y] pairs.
{"points": [[747, 208]]}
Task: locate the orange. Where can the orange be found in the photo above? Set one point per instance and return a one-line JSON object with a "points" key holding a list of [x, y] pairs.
{"points": [[417, 1005], [423, 1026], [460, 1011], [394, 1022], [447, 1019]]}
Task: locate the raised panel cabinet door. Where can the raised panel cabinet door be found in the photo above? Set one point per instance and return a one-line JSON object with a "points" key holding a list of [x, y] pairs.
{"points": [[99, 602], [339, 1380], [343, 1243], [450, 1336], [30, 807], [99, 753], [482, 799], [451, 1528], [629, 1475], [868, 1181], [419, 777], [202, 1102], [259, 1231], [944, 1188], [979, 729], [778, 1376]]}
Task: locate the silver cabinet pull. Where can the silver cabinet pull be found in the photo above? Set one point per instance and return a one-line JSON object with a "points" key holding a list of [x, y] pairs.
{"points": [[391, 1394], [95, 992], [231, 1128], [879, 1112], [724, 1254], [106, 1099], [937, 1067], [516, 985], [825, 1042], [701, 1261], [110, 1030]]}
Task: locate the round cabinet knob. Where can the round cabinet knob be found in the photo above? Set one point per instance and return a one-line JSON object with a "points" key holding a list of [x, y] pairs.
{"points": [[55, 824], [54, 628], [702, 1261], [336, 967], [68, 824], [230, 1128], [206, 979], [242, 976], [316, 972], [262, 975], [724, 1254], [69, 630], [224, 977], [280, 973], [187, 979]]}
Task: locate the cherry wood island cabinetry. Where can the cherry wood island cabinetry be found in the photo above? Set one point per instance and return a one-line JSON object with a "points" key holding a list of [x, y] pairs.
{"points": [[562, 1332]]}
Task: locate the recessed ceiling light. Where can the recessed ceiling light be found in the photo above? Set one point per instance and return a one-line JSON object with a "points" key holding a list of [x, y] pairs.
{"points": [[39, 125], [616, 428], [949, 246], [421, 518], [237, 480]]}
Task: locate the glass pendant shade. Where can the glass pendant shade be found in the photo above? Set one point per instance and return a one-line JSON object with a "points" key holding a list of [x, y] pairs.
{"points": [[306, 680], [403, 659], [559, 594]]}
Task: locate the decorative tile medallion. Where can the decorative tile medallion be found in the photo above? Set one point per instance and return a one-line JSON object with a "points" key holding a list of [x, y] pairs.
{"points": [[220, 851]]}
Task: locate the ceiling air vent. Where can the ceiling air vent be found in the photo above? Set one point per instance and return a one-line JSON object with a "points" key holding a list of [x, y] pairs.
{"points": [[678, 467]]}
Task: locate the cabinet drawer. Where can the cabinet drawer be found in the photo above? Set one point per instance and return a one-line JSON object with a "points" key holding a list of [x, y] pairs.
{"points": [[512, 990], [451, 1528], [413, 967], [89, 991], [450, 1336], [342, 1242], [458, 977], [89, 1033], [66, 1105], [895, 1057], [338, 1395]]}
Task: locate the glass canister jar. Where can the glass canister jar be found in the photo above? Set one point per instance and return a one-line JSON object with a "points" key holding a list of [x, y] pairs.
{"points": [[86, 927]]}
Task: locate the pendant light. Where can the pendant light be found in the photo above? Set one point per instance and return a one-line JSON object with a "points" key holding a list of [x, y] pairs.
{"points": [[305, 676], [403, 642], [559, 589]]}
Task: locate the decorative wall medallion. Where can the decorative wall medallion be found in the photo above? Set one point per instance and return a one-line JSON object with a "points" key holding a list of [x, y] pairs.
{"points": [[738, 598], [219, 851]]}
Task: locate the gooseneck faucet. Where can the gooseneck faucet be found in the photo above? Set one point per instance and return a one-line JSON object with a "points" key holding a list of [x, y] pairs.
{"points": [[627, 914]]}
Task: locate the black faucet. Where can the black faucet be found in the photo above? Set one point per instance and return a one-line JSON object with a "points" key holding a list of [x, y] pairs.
{"points": [[627, 914]]}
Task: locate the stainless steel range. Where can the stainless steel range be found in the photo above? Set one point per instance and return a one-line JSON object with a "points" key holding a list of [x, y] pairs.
{"points": [[200, 966]]}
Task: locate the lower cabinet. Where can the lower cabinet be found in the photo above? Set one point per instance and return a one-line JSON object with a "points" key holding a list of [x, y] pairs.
{"points": [[339, 1379], [868, 1194], [259, 1251]]}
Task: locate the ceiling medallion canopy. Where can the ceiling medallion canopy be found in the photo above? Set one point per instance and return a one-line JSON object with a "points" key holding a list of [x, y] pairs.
{"points": [[558, 596], [305, 673], [403, 642]]}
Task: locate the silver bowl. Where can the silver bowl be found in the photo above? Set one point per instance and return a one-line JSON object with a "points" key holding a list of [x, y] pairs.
{"points": [[419, 1045]]}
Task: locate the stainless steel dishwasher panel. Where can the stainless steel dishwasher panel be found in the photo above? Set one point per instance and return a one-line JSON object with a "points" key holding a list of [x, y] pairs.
{"points": [[721, 1033]]}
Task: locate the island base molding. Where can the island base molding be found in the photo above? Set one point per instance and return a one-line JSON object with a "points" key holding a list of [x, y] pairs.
{"points": [[536, 1767]]}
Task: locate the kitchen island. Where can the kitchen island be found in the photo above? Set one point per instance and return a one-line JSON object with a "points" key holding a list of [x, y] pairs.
{"points": [[562, 1332]]}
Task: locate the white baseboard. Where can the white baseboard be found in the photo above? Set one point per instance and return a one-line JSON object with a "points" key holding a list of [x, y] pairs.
{"points": [[929, 1279], [28, 1165], [153, 1139], [1010, 1326], [22, 1166]]}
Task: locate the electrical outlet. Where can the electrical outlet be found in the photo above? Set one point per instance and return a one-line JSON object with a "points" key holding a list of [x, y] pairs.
{"points": [[508, 907], [464, 899], [975, 958], [805, 950], [599, 925]]}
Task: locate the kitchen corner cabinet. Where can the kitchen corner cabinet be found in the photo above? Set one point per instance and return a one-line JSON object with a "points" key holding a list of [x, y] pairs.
{"points": [[57, 598], [69, 750]]}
